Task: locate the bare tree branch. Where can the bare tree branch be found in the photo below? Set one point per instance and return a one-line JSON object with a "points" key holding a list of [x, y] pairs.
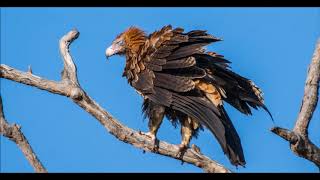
{"points": [[310, 98], [300, 143], [13, 132], [70, 87]]}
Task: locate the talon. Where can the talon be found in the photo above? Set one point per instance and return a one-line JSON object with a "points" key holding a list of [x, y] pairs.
{"points": [[182, 150], [154, 141], [155, 145]]}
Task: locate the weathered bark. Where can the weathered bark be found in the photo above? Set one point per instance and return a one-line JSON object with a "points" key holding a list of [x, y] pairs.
{"points": [[70, 87], [298, 138], [14, 133]]}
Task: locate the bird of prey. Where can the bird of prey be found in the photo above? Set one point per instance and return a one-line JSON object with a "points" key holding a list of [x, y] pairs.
{"points": [[180, 80]]}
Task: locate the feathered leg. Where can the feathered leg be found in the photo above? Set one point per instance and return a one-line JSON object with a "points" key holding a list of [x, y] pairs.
{"points": [[156, 115], [188, 127]]}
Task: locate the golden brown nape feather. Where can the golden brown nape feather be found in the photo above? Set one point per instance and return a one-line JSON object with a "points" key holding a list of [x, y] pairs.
{"points": [[134, 38]]}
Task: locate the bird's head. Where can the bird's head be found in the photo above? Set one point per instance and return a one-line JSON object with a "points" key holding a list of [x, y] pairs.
{"points": [[128, 41]]}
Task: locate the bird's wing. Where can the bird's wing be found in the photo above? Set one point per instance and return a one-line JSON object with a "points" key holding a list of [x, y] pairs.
{"points": [[181, 75]]}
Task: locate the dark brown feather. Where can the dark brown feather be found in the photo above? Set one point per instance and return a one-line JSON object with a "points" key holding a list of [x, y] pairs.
{"points": [[192, 72], [180, 63], [175, 83]]}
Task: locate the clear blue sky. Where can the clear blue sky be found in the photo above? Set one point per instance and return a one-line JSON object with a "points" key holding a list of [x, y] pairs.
{"points": [[272, 46]]}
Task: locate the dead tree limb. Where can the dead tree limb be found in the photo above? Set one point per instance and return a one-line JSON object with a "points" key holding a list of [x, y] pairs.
{"points": [[70, 87], [14, 133], [298, 138]]}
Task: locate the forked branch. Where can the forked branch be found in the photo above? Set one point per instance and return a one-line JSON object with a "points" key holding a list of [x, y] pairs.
{"points": [[298, 138], [70, 87]]}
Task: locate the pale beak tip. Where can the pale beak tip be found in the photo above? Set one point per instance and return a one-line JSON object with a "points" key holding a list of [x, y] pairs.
{"points": [[109, 52]]}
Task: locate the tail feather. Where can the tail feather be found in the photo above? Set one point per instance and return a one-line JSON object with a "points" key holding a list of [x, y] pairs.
{"points": [[234, 149], [217, 121]]}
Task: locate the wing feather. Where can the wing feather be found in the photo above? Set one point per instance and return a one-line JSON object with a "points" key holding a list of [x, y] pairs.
{"points": [[180, 63], [175, 83]]}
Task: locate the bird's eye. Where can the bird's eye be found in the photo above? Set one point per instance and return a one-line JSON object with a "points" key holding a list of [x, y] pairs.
{"points": [[120, 42]]}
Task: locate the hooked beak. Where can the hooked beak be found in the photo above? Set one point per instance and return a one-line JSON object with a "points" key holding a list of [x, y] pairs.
{"points": [[110, 52]]}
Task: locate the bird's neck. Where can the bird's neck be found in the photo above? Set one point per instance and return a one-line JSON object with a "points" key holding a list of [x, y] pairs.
{"points": [[136, 44], [133, 56]]}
